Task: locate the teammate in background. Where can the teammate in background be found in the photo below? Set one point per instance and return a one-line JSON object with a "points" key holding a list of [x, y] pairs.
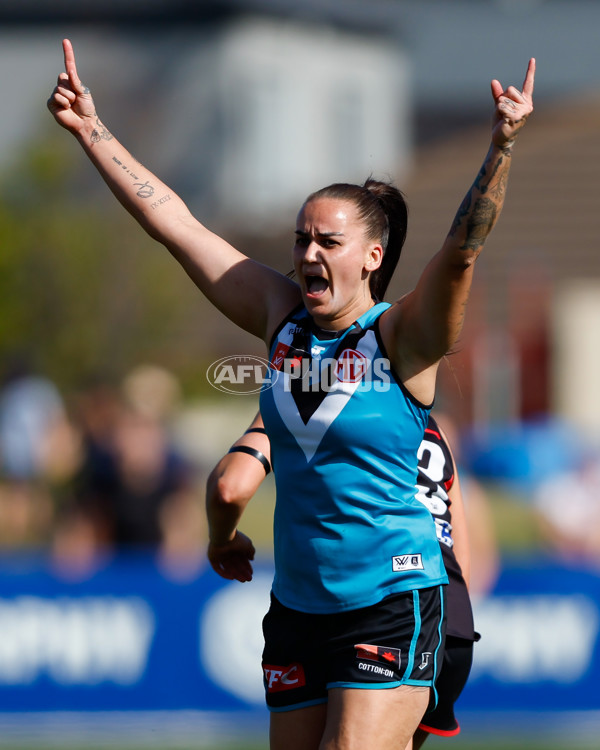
{"points": [[438, 487], [339, 461], [236, 478]]}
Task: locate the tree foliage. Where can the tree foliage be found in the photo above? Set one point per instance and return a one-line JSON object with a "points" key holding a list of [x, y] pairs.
{"points": [[83, 291]]}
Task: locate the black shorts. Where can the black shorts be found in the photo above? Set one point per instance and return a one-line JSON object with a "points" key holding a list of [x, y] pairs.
{"points": [[398, 641], [456, 666]]}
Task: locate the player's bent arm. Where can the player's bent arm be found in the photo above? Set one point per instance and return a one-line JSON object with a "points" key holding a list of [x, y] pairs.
{"points": [[230, 486]]}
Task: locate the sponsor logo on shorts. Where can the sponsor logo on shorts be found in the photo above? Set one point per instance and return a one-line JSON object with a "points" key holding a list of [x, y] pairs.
{"points": [[400, 563], [283, 678], [425, 660], [375, 669], [380, 654]]}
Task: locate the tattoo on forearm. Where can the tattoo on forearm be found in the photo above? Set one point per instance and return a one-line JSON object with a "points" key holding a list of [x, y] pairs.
{"points": [[125, 168], [483, 179], [463, 210], [100, 133], [477, 184], [493, 174], [479, 224], [160, 201], [145, 189], [481, 213], [498, 191]]}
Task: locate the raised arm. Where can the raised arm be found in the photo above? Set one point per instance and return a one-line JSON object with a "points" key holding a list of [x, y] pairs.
{"points": [[252, 295], [423, 326], [229, 488]]}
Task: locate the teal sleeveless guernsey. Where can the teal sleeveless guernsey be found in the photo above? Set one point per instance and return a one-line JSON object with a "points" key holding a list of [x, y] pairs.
{"points": [[344, 432]]}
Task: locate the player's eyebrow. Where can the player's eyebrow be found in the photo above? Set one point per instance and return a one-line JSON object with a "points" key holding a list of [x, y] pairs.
{"points": [[301, 233]]}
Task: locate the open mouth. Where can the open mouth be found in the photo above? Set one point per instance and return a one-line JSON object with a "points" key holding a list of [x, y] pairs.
{"points": [[316, 285]]}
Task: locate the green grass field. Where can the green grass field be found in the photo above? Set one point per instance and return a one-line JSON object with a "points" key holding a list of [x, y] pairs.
{"points": [[498, 739]]}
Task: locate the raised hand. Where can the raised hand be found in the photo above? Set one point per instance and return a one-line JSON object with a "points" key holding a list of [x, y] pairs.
{"points": [[513, 107], [71, 103]]}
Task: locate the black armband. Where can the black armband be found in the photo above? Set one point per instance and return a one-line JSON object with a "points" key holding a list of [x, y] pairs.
{"points": [[256, 429], [252, 452]]}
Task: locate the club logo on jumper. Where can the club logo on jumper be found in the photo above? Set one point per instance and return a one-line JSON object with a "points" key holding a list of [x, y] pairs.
{"points": [[283, 678], [425, 660], [379, 654], [400, 563], [241, 374], [352, 366]]}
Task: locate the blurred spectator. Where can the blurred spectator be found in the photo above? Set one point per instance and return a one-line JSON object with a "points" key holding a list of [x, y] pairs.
{"points": [[568, 509], [30, 407], [133, 489], [83, 528], [36, 447]]}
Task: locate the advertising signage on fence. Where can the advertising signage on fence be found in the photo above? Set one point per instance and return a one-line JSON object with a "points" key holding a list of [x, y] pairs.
{"points": [[540, 645], [128, 638]]}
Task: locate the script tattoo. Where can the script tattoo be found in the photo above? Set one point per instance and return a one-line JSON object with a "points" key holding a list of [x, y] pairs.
{"points": [[125, 168], [160, 201], [144, 189]]}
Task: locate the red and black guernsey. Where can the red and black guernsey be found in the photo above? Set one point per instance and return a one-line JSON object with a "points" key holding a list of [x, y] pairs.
{"points": [[434, 480]]}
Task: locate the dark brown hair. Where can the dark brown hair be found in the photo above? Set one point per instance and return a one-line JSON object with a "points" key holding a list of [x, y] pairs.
{"points": [[383, 210]]}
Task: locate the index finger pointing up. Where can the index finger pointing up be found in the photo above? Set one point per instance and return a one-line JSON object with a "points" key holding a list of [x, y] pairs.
{"points": [[70, 67], [529, 78]]}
